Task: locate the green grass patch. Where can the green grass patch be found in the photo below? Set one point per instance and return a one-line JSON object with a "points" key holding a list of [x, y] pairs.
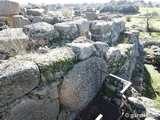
{"points": [[152, 80], [150, 51], [138, 22]]}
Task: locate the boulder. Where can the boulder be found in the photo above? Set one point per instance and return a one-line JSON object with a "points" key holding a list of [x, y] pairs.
{"points": [[101, 48], [8, 8], [147, 102], [35, 12], [17, 78], [153, 113], [91, 16], [42, 31], [100, 27], [83, 50], [13, 40], [19, 21], [81, 84], [30, 109], [113, 57], [119, 58], [137, 103], [117, 27], [101, 31], [68, 30], [49, 20], [37, 19], [83, 25]]}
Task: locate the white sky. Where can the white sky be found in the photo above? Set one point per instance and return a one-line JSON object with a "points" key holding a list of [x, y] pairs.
{"points": [[67, 1]]}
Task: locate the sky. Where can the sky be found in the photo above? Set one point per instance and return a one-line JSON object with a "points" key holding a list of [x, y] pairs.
{"points": [[66, 1]]}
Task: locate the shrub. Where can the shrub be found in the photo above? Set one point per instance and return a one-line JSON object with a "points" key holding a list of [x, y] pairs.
{"points": [[107, 8]]}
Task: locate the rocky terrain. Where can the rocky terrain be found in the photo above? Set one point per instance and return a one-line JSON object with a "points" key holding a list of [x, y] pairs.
{"points": [[50, 66]]}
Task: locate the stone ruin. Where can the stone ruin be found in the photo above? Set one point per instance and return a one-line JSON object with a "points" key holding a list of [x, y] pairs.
{"points": [[62, 75]]}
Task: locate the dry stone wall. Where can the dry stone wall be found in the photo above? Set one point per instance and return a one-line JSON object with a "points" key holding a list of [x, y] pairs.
{"points": [[56, 83]]}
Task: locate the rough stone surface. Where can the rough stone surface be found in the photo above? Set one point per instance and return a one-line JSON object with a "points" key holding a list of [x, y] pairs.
{"points": [[83, 50], [136, 102], [42, 31], [8, 8], [147, 102], [101, 47], [16, 79], [19, 21], [101, 31], [83, 25], [31, 109], [91, 16], [13, 37], [48, 19], [81, 84], [37, 19], [68, 30], [100, 27], [50, 90], [35, 12], [153, 113], [54, 64]]}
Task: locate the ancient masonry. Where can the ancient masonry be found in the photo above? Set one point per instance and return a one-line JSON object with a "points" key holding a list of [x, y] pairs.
{"points": [[56, 83]]}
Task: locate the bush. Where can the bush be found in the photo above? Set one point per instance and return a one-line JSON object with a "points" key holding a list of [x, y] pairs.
{"points": [[107, 8], [128, 9]]}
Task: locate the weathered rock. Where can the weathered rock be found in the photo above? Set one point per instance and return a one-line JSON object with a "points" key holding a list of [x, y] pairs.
{"points": [[42, 31], [62, 115], [113, 57], [54, 64], [153, 113], [147, 102], [67, 30], [100, 27], [30, 109], [91, 16], [37, 19], [101, 47], [49, 20], [129, 51], [19, 21], [101, 31], [13, 39], [8, 8], [83, 25], [50, 90], [16, 79], [83, 50], [35, 12], [136, 102], [81, 83]]}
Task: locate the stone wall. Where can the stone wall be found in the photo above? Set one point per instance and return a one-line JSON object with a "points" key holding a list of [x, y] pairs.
{"points": [[62, 73], [62, 81]]}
